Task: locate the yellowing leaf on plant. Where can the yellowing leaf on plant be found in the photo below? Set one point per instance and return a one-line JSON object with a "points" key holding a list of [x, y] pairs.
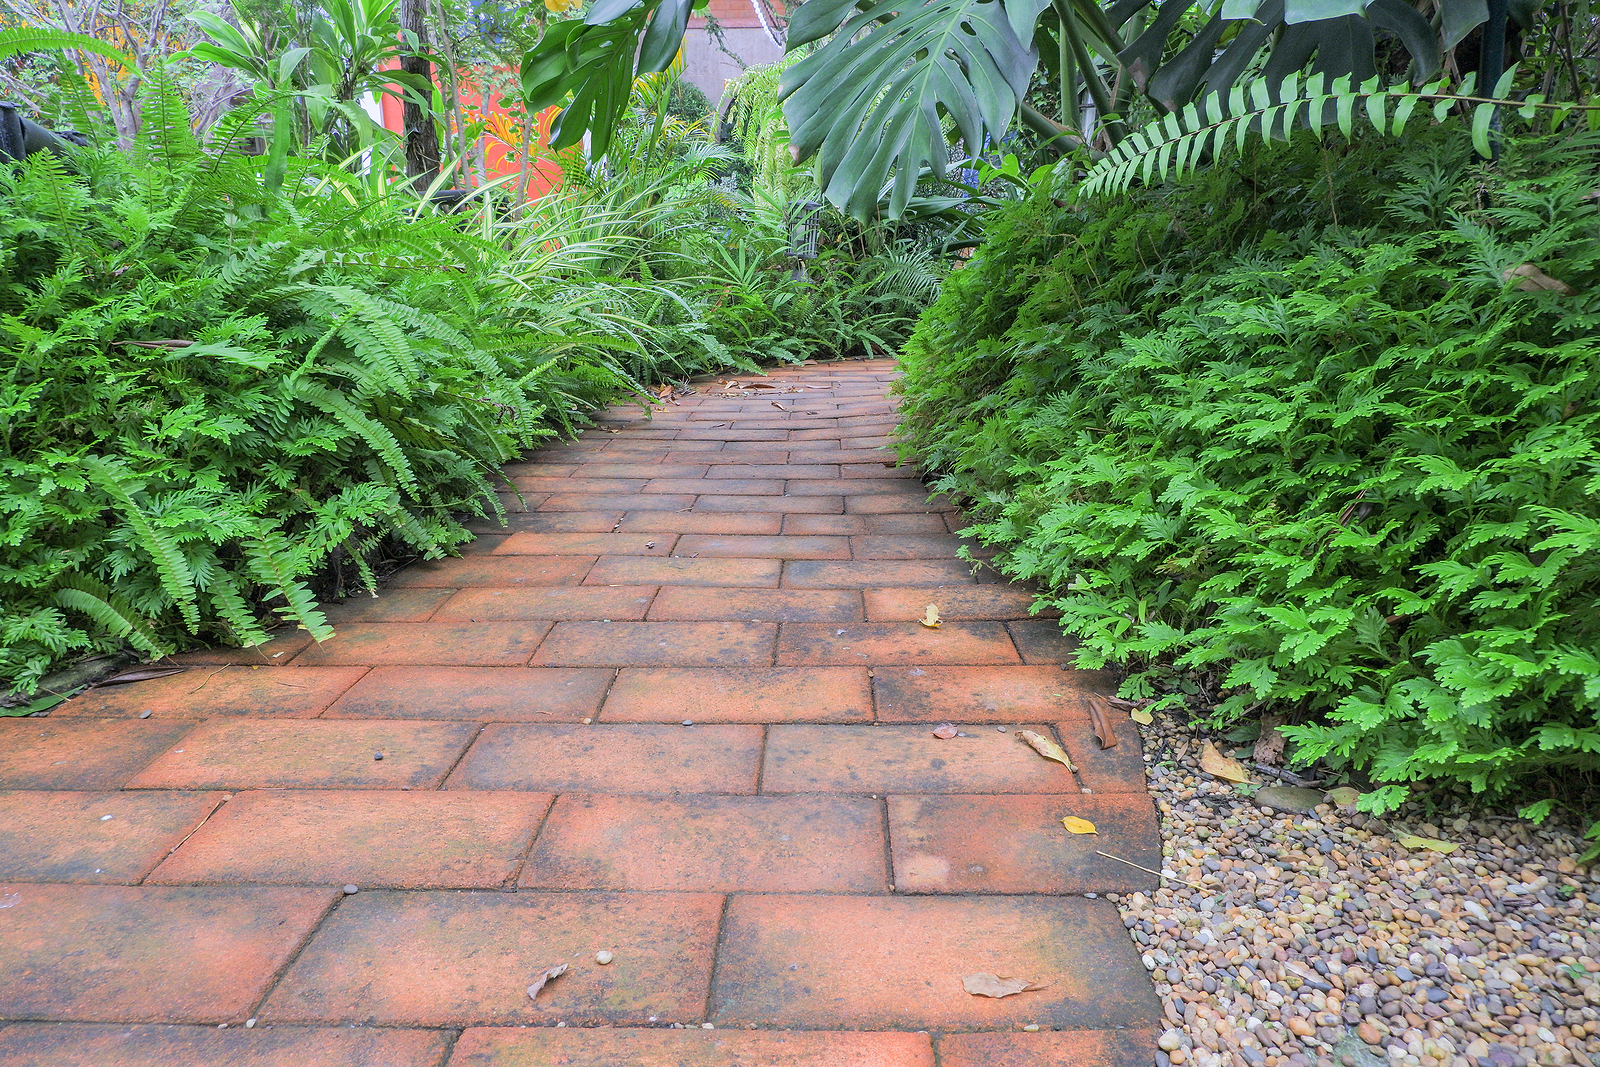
{"points": [[1432, 844], [994, 985], [1078, 826], [1142, 716], [544, 976], [931, 618], [945, 732], [1045, 747], [1217, 765]]}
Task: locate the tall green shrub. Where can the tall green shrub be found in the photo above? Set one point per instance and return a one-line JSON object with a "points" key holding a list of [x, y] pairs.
{"points": [[1308, 455]]}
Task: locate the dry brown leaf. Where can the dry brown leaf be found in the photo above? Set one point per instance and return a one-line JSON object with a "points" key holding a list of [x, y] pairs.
{"points": [[140, 674], [1432, 844], [1100, 723], [1269, 746], [665, 392], [1078, 826], [931, 618], [1046, 748], [945, 732], [1535, 280], [1122, 702], [1142, 716], [1217, 765], [994, 985], [762, 385], [546, 975]]}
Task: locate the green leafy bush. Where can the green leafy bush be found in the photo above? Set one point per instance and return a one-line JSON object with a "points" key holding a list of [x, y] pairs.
{"points": [[210, 393], [1312, 455]]}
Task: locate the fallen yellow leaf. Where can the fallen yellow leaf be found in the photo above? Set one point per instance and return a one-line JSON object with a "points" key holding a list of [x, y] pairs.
{"points": [[994, 985], [1432, 844], [1046, 748], [1142, 716], [1344, 796], [1217, 765], [1079, 826], [931, 619]]}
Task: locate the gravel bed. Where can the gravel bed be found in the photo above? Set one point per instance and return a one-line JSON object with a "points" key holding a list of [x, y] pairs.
{"points": [[1297, 938]]}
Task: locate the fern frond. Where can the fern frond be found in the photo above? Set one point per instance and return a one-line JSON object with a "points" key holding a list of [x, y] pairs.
{"points": [[117, 482], [373, 433], [272, 561], [1177, 143], [81, 593]]}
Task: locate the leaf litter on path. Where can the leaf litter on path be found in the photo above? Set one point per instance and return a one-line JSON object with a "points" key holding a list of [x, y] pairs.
{"points": [[1046, 748], [544, 976], [994, 985]]}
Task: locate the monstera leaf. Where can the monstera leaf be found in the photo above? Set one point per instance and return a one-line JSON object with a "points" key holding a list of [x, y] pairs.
{"points": [[871, 101], [590, 65]]}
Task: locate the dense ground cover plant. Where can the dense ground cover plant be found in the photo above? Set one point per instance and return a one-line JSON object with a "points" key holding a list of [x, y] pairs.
{"points": [[210, 392], [1288, 435]]}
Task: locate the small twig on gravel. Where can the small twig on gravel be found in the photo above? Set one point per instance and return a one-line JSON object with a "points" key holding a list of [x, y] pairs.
{"points": [[1284, 776], [1147, 870]]}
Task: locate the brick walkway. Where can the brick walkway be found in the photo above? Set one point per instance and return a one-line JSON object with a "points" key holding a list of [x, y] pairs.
{"points": [[683, 712]]}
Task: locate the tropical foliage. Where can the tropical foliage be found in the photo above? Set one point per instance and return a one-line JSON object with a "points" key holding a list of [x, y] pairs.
{"points": [[1313, 433]]}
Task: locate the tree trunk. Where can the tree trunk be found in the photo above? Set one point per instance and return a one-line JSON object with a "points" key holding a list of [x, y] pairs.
{"points": [[422, 137]]}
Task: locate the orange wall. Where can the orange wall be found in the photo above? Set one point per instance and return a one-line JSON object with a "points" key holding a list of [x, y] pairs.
{"points": [[543, 174]]}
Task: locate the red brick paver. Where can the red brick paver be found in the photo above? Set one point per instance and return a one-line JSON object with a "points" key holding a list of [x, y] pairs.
{"points": [[679, 709]]}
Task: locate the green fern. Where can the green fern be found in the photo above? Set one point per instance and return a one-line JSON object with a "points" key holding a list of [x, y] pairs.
{"points": [[1178, 142]]}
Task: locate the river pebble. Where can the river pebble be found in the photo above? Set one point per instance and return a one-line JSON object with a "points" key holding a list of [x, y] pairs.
{"points": [[1289, 938]]}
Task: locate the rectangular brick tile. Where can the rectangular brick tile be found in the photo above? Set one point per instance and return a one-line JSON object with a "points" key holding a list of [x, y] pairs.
{"points": [[676, 570], [680, 451], [787, 471], [309, 754], [824, 525], [101, 953], [584, 483], [585, 544], [93, 837], [285, 644], [484, 694], [842, 486], [829, 433], [548, 602], [495, 571], [659, 644], [1060, 1048], [518, 503], [482, 644], [905, 759], [804, 644], [739, 434], [1017, 844], [894, 503], [646, 470], [904, 524], [615, 1046], [787, 505], [392, 605], [879, 441], [1119, 769], [905, 546], [751, 486], [977, 694], [448, 959], [73, 753], [290, 692], [780, 547], [1041, 641], [795, 844], [692, 523], [107, 1045], [616, 502], [874, 573], [567, 521], [712, 694], [613, 759], [954, 602], [784, 963], [406, 840], [758, 605]]}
